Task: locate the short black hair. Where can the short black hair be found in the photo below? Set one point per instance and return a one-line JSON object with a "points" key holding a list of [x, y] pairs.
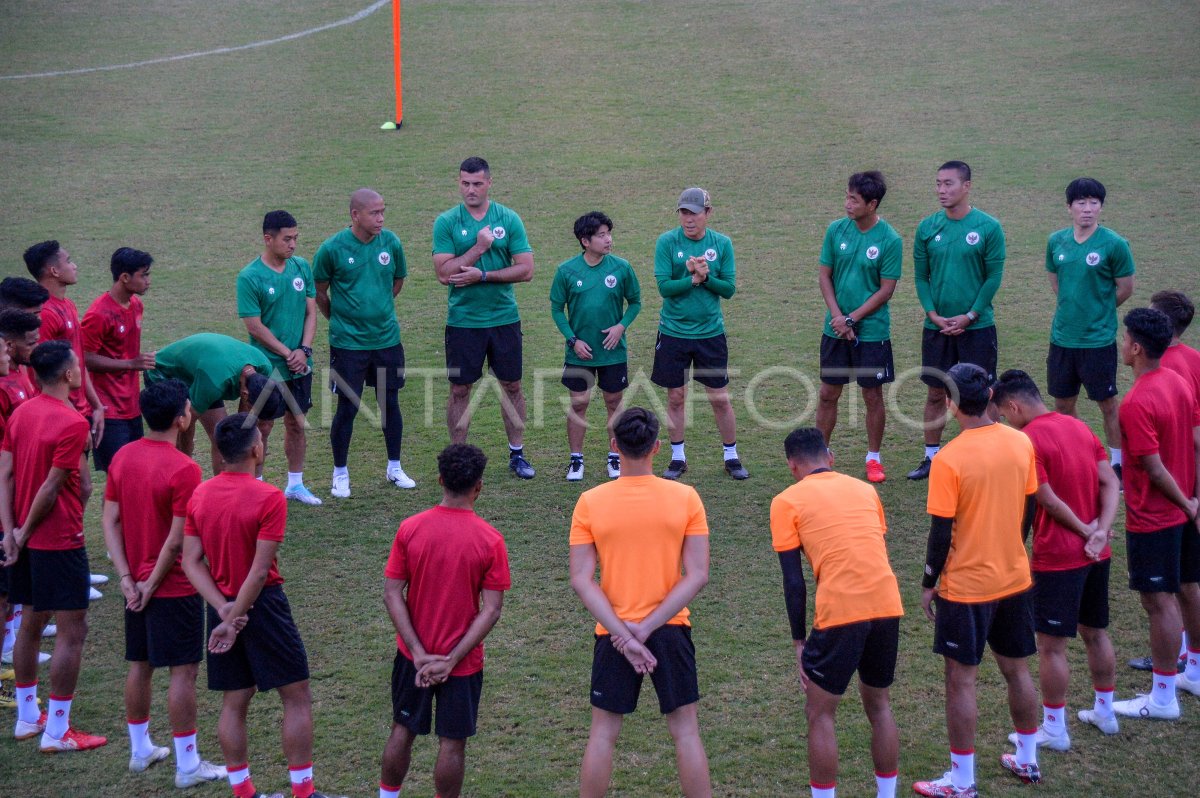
{"points": [[474, 165], [234, 436], [162, 402], [869, 185], [461, 466], [1085, 187], [1177, 306], [50, 359], [128, 260], [964, 171], [1151, 329], [265, 396], [22, 293], [275, 221], [16, 323], [973, 387], [1015, 384], [636, 430], [37, 256], [805, 444], [590, 223]]}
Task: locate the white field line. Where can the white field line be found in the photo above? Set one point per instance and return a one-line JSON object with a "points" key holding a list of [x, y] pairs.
{"points": [[366, 12]]}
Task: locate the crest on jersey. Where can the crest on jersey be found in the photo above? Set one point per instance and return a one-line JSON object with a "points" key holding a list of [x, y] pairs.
{"points": [[872, 253], [350, 261], [710, 254], [579, 283], [972, 238], [843, 246], [121, 328], [610, 281], [384, 258], [298, 283], [1093, 258], [271, 290], [937, 237], [499, 232]]}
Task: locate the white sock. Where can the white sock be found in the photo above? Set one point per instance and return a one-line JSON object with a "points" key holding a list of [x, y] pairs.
{"points": [[931, 452], [300, 775], [962, 769], [677, 451], [1163, 690], [341, 471], [885, 786], [1183, 646], [613, 454], [874, 456], [9, 635], [27, 703], [1054, 719], [259, 478], [394, 465], [730, 450], [823, 790], [388, 792], [1103, 704], [18, 612], [139, 738], [1114, 456], [58, 716], [1192, 672], [295, 479], [187, 754], [1027, 747], [576, 454], [238, 775]]}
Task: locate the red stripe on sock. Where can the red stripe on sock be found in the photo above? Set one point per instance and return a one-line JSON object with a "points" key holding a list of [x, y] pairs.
{"points": [[189, 734], [962, 753], [1193, 650], [1157, 672], [389, 787], [62, 697], [232, 768], [26, 685], [1054, 706], [300, 767], [818, 786], [891, 775], [1109, 689], [1028, 731], [136, 721]]}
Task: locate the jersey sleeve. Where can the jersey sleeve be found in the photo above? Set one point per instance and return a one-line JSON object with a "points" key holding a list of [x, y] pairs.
{"points": [[943, 490], [70, 446], [112, 483], [581, 523], [399, 262], [249, 301], [323, 265], [518, 241], [921, 269], [443, 237], [183, 485], [93, 330], [558, 302], [785, 527], [498, 576], [1031, 474], [273, 521], [882, 516], [310, 286], [633, 297], [827, 250], [397, 564], [1051, 265], [1120, 262], [892, 258], [1137, 429], [189, 520], [697, 518], [52, 327]]}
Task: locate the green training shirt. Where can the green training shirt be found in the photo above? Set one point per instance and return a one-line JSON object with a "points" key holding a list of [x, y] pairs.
{"points": [[595, 298], [362, 309], [690, 311], [1086, 316], [210, 365], [481, 304], [958, 265], [860, 261], [280, 300]]}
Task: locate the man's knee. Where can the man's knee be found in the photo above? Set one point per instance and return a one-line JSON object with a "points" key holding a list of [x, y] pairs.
{"points": [[459, 392], [829, 394], [513, 388]]}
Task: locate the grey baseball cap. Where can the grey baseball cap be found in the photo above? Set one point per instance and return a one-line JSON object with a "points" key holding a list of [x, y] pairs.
{"points": [[694, 200]]}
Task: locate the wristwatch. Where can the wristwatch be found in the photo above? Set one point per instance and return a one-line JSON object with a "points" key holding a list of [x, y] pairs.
{"points": [[972, 316], [850, 322], [571, 342], [307, 350]]}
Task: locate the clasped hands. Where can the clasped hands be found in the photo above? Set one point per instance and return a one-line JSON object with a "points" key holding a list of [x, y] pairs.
{"points": [[634, 649], [226, 632], [698, 269]]}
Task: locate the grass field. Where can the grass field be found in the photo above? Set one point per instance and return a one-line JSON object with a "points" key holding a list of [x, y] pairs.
{"points": [[769, 104]]}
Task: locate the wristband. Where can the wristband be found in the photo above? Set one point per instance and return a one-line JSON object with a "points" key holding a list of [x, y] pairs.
{"points": [[972, 316], [483, 279], [307, 350], [571, 342]]}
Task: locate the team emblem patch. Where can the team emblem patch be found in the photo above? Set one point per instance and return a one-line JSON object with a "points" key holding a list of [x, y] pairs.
{"points": [[579, 283], [464, 232], [70, 324], [1092, 258], [384, 258], [20, 394], [298, 283], [937, 237], [1061, 257], [972, 238], [610, 281], [350, 260], [872, 253], [843, 246], [499, 232], [710, 254], [121, 328], [271, 290]]}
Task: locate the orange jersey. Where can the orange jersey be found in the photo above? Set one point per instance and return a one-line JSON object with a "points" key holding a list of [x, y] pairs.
{"points": [[838, 521], [981, 479], [637, 525]]}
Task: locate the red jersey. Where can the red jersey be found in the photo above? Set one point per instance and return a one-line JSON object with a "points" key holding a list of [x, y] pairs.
{"points": [[1067, 452], [447, 556], [60, 322], [230, 513], [1157, 417], [45, 433], [1184, 361], [113, 331], [152, 482], [15, 388]]}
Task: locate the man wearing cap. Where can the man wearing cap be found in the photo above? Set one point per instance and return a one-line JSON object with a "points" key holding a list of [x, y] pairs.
{"points": [[694, 270]]}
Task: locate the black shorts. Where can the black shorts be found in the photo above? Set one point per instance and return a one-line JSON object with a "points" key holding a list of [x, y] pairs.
{"points": [[613, 378], [869, 362], [167, 632], [4, 578], [939, 352], [267, 654], [457, 702], [117, 433], [297, 394], [616, 685], [51, 580], [707, 357], [1159, 562], [1006, 625], [467, 347], [1064, 600], [354, 368], [831, 656], [1095, 368]]}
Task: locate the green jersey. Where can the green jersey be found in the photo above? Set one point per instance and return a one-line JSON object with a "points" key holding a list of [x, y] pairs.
{"points": [[210, 365], [280, 300], [860, 261], [1086, 316], [362, 308], [481, 304], [595, 298], [958, 265], [693, 311]]}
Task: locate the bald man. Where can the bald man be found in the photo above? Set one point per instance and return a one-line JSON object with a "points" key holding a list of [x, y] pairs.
{"points": [[358, 272]]}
